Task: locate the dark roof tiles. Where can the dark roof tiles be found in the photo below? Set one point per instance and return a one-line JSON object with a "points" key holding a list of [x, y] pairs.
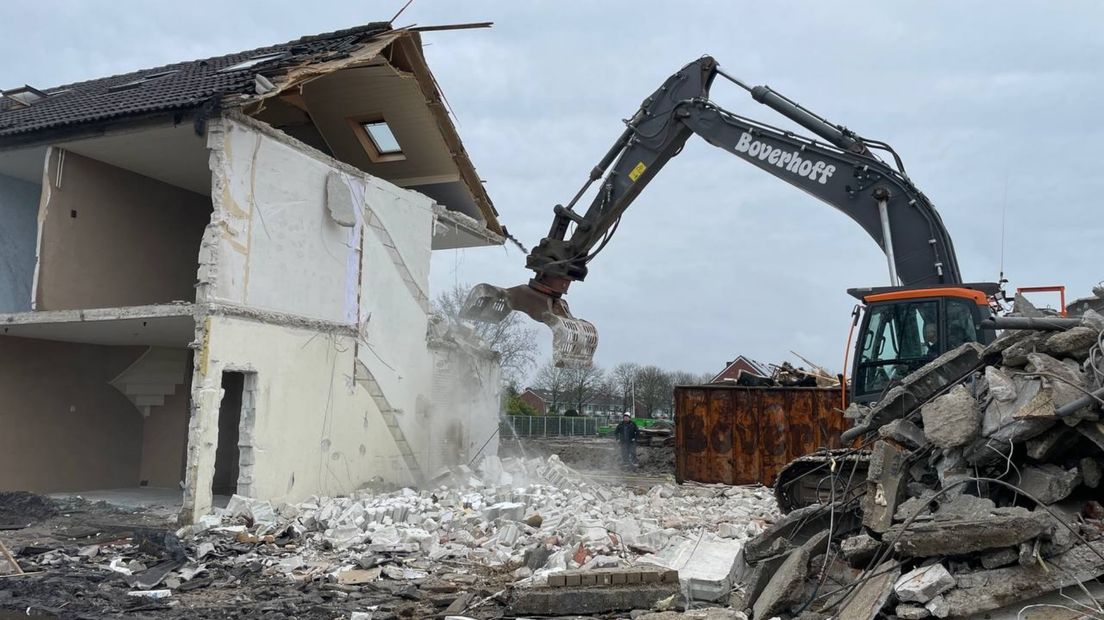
{"points": [[189, 85]]}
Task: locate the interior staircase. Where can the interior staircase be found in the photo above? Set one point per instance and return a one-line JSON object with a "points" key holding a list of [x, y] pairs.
{"points": [[152, 377]]}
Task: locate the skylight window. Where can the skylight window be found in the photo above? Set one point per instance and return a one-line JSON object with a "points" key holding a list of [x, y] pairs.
{"points": [[140, 81], [377, 139], [252, 62], [382, 137], [25, 95]]}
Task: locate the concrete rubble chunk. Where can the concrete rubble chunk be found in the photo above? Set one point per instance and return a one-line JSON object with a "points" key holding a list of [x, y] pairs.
{"points": [[952, 419], [995, 349], [859, 549], [1021, 306], [1046, 446], [963, 536], [981, 591], [711, 613], [939, 607], [1093, 319], [924, 383], [1049, 483], [886, 481], [794, 529], [1016, 354], [922, 584], [753, 583], [1000, 385], [905, 433], [999, 558], [1063, 379], [1090, 472], [870, 597], [1073, 343], [911, 612], [1028, 415], [785, 587], [708, 566], [590, 600]]}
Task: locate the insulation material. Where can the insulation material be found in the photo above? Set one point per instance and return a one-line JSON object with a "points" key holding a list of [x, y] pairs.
{"points": [[18, 230], [274, 236]]}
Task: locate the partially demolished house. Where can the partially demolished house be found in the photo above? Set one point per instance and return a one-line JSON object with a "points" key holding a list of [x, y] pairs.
{"points": [[214, 276]]}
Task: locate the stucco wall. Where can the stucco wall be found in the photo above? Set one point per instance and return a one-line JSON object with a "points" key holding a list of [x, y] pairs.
{"points": [[110, 237], [62, 426], [18, 229], [313, 430], [333, 309]]}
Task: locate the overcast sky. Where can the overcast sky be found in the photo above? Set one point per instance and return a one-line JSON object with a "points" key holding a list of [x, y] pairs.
{"points": [[994, 108]]}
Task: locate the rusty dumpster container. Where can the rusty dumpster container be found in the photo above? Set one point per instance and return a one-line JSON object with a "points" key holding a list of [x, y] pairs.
{"points": [[746, 435]]}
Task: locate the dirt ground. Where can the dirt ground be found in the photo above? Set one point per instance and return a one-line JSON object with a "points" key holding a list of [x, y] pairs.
{"points": [[46, 535], [598, 457]]}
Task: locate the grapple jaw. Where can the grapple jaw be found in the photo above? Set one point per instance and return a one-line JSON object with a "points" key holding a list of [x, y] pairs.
{"points": [[573, 340]]}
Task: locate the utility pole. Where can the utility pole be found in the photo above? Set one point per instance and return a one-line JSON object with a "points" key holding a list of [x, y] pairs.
{"points": [[632, 405]]}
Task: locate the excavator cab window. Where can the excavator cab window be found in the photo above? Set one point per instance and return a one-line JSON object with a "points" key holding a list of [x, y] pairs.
{"points": [[901, 335], [898, 338]]}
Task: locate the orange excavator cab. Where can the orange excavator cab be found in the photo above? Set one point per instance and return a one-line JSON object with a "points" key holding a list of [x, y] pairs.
{"points": [[903, 328]]}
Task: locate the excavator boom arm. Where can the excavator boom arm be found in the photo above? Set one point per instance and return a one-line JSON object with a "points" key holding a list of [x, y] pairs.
{"points": [[841, 171]]}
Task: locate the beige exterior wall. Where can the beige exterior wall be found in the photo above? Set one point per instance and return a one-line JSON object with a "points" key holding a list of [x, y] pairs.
{"points": [[165, 440], [109, 237], [62, 426]]}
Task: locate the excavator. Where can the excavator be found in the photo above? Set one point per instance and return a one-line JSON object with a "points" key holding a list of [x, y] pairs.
{"points": [[925, 311]]}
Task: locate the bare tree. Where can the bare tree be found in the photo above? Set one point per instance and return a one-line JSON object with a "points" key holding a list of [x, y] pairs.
{"points": [[622, 376], [511, 338], [653, 390], [554, 381], [681, 377], [583, 384]]}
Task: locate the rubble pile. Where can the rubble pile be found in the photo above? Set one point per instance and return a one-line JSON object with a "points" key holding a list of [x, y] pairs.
{"points": [[535, 517], [982, 491], [454, 548]]}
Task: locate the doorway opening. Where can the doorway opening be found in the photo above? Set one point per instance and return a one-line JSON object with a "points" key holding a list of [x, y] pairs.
{"points": [[227, 453]]}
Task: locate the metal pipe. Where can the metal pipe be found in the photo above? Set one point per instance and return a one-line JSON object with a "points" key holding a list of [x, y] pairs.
{"points": [[1084, 401], [807, 119], [1050, 324], [887, 239]]}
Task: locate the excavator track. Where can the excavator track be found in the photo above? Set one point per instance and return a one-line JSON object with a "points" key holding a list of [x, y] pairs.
{"points": [[810, 479]]}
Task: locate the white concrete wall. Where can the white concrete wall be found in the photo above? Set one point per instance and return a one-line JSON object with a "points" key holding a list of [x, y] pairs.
{"points": [[18, 236], [314, 431], [279, 249], [273, 246]]}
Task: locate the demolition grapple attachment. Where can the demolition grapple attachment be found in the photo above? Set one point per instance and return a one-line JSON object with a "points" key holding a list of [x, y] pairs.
{"points": [[573, 340]]}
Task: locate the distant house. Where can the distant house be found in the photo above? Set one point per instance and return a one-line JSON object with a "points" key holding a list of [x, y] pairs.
{"points": [[741, 364], [545, 404]]}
